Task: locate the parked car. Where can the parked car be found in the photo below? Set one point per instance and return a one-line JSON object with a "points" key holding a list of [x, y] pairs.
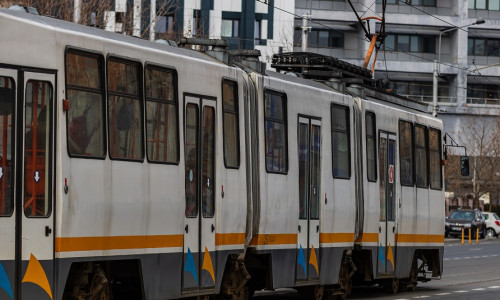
{"points": [[467, 219], [492, 224]]}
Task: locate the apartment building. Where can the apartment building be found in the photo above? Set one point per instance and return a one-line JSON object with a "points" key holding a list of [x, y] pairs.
{"points": [[246, 24], [469, 55]]}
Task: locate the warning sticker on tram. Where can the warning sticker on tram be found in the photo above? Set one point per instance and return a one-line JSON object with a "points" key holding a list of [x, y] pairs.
{"points": [[391, 173]]}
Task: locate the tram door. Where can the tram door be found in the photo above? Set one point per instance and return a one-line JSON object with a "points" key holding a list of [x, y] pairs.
{"points": [[8, 88], [199, 267], [36, 238], [309, 150], [26, 217], [388, 226]]}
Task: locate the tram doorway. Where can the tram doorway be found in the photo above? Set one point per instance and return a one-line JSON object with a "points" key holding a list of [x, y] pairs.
{"points": [[388, 221], [309, 150], [199, 233], [26, 184]]}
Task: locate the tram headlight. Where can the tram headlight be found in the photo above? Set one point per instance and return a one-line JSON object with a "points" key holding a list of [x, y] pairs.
{"points": [[467, 225], [447, 224]]}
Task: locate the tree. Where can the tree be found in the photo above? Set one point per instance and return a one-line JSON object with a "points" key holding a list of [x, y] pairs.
{"points": [[481, 136], [137, 21]]}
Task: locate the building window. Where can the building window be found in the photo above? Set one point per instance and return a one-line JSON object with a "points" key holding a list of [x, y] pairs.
{"points": [[483, 94], [412, 2], [406, 152], [477, 4], [410, 43], [325, 38], [231, 128], [164, 24], [85, 92], [230, 28], [420, 90], [435, 164], [275, 123], [341, 145], [421, 156], [257, 32], [125, 110], [161, 115], [371, 152], [483, 47]]}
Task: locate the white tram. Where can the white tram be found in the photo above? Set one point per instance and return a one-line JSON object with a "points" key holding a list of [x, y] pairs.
{"points": [[135, 170]]}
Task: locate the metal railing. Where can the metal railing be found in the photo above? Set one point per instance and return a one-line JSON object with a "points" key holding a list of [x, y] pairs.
{"points": [[485, 101], [428, 98]]}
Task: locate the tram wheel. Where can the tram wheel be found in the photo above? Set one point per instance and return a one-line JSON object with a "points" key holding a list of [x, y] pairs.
{"points": [[392, 285], [318, 292]]}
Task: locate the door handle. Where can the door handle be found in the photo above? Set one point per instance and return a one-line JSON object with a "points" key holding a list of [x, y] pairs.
{"points": [[48, 231], [380, 229], [186, 229], [317, 228], [213, 228], [393, 229], [299, 228]]}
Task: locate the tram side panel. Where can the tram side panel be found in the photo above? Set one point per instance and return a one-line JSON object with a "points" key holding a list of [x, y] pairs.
{"points": [[305, 245], [134, 210]]}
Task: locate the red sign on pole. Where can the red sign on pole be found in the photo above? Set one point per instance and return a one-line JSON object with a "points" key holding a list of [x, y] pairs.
{"points": [[391, 173]]}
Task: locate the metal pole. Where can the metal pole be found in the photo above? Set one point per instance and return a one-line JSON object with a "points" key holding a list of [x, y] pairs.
{"points": [[435, 89], [305, 32], [77, 11], [439, 52], [152, 26]]}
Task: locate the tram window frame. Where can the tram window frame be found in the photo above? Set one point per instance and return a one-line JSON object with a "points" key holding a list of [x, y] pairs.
{"points": [[174, 101], [374, 138], [439, 153], [101, 92], [139, 97], [412, 156], [236, 113], [425, 147], [346, 131], [284, 121], [12, 148]]}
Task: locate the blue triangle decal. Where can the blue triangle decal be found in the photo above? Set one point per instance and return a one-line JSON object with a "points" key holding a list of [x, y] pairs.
{"points": [[189, 265], [381, 255], [301, 259], [4, 282]]}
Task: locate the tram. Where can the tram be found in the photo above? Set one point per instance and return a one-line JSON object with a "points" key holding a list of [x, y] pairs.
{"points": [[137, 170]]}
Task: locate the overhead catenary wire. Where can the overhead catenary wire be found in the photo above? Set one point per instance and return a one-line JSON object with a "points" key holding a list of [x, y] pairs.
{"points": [[385, 47]]}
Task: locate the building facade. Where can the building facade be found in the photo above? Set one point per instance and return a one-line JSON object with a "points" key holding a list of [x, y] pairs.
{"points": [[246, 24], [412, 44]]}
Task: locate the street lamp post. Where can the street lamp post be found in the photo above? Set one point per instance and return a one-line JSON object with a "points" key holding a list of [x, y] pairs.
{"points": [[437, 64]]}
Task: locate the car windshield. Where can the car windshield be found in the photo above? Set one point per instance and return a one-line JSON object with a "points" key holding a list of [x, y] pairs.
{"points": [[496, 217], [462, 215]]}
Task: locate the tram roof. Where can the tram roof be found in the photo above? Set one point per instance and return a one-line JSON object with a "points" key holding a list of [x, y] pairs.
{"points": [[92, 32]]}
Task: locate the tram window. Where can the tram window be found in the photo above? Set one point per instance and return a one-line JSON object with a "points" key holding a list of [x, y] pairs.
{"points": [[7, 98], [208, 158], [275, 122], [231, 128], [161, 115], [125, 110], [341, 142], [422, 178], [37, 150], [406, 152], [85, 117], [371, 152], [435, 159], [191, 156]]}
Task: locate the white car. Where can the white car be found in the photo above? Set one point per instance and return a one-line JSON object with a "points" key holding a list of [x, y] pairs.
{"points": [[492, 224]]}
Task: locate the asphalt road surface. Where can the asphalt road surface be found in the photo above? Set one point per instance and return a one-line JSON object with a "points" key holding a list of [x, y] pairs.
{"points": [[470, 272]]}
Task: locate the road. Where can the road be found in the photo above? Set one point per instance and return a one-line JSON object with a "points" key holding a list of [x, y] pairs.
{"points": [[470, 272]]}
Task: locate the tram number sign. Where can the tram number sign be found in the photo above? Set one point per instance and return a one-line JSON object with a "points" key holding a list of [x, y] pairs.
{"points": [[391, 173]]}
